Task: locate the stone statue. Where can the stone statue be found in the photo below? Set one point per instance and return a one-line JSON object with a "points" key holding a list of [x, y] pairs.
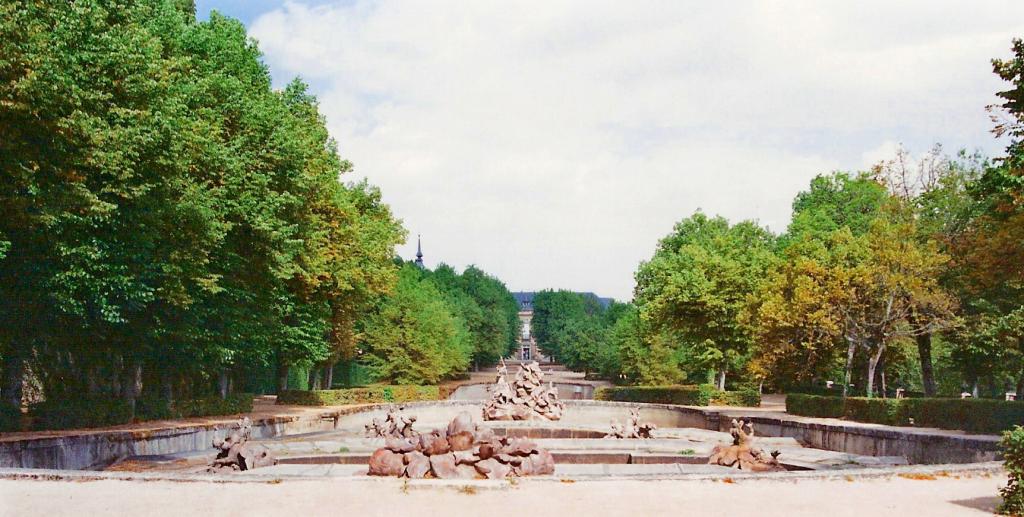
{"points": [[235, 453], [395, 425], [632, 428], [464, 450], [742, 454], [526, 398]]}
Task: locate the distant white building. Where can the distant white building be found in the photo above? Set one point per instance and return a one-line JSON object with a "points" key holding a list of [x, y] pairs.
{"points": [[528, 350]]}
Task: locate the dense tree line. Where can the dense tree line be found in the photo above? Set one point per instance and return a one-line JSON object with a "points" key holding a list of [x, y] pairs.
{"points": [[436, 324], [575, 330], [905, 275], [171, 225]]}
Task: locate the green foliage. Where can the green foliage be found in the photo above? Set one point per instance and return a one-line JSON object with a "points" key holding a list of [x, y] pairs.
{"points": [[367, 395], [746, 396], [80, 412], [210, 406], [973, 415], [814, 405], [577, 331], [1013, 460], [696, 285], [485, 307], [685, 395], [412, 337], [875, 410], [74, 413], [10, 417], [165, 214]]}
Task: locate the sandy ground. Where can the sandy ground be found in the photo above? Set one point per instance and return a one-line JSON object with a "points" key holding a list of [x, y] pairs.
{"points": [[875, 497]]}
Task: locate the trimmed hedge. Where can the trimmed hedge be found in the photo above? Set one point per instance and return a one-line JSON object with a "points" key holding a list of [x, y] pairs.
{"points": [[210, 406], [366, 395], [746, 397], [79, 412], [877, 411], [814, 405], [683, 395], [974, 415], [10, 418], [105, 411], [1013, 459]]}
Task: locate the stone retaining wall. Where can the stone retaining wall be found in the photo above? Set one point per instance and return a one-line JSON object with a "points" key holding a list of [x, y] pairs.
{"points": [[97, 449]]}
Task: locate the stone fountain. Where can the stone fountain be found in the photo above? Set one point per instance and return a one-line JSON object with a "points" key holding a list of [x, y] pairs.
{"points": [[525, 398], [742, 454], [464, 450]]}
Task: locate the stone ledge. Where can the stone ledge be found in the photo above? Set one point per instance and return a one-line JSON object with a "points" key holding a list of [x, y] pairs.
{"points": [[912, 472]]}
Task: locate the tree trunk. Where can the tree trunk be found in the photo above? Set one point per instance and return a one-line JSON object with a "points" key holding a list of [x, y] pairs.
{"points": [[924, 352], [881, 377], [222, 384], [132, 385], [328, 376], [851, 346], [313, 380], [14, 378], [721, 378], [872, 365], [91, 386], [167, 388], [282, 377]]}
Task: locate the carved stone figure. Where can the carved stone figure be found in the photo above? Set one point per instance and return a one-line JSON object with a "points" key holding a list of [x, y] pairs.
{"points": [[462, 451], [526, 398], [395, 425], [742, 454], [632, 428], [235, 453]]}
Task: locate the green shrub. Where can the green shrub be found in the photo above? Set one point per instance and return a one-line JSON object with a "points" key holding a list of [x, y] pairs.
{"points": [[679, 394], [683, 395], [10, 418], [974, 415], [212, 406], [745, 396], [876, 411], [79, 412], [1013, 458], [365, 395], [97, 411], [814, 405], [149, 407]]}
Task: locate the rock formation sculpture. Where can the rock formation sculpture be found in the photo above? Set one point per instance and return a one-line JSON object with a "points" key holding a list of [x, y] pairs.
{"points": [[235, 453], [632, 428], [462, 451], [394, 425], [525, 398], [742, 454]]}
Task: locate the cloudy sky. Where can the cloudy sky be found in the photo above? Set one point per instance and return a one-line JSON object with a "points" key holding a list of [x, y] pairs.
{"points": [[553, 143]]}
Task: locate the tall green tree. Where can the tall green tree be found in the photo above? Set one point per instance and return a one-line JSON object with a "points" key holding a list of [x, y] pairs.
{"points": [[696, 284]]}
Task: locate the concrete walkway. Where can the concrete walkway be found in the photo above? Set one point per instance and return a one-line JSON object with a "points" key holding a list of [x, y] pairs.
{"points": [[897, 496]]}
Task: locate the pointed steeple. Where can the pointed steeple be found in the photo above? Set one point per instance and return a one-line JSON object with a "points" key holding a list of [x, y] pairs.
{"points": [[419, 252]]}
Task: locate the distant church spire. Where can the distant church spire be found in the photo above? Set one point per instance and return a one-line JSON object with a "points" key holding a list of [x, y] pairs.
{"points": [[419, 252]]}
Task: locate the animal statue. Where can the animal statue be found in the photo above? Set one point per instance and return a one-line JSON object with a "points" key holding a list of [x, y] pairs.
{"points": [[235, 453], [742, 454], [395, 425], [632, 428]]}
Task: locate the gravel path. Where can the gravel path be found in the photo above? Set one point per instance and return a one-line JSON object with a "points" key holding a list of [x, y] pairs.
{"points": [[931, 497]]}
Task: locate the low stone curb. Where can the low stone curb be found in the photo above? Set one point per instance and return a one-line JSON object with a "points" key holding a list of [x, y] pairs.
{"points": [[923, 472]]}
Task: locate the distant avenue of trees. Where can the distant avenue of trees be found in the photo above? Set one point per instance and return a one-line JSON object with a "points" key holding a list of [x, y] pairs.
{"points": [[173, 226], [906, 275]]}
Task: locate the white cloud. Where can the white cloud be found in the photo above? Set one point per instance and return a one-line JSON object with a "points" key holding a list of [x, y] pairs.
{"points": [[553, 143]]}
